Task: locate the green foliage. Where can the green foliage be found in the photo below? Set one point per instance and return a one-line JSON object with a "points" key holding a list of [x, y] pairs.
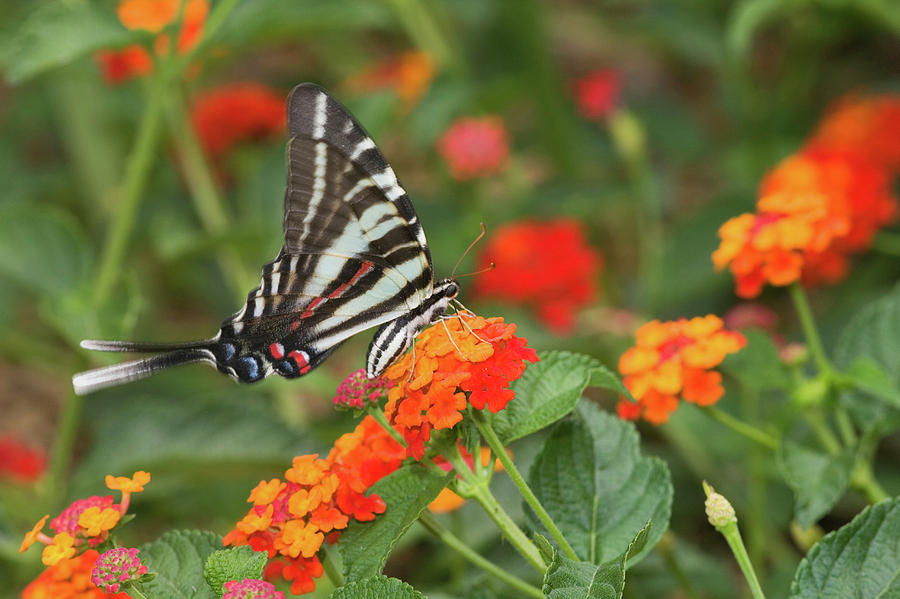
{"points": [[757, 365], [235, 563], [570, 579], [598, 488], [365, 546], [377, 587], [177, 559], [817, 478], [548, 390], [861, 559], [57, 33]]}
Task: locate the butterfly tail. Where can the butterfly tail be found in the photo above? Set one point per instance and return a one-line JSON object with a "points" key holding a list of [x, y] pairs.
{"points": [[109, 376], [137, 346]]}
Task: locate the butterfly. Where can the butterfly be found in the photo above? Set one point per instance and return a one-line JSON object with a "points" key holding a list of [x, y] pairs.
{"points": [[354, 257]]}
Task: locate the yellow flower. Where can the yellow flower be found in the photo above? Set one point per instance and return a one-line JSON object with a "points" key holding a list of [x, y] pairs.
{"points": [[60, 549], [32, 536]]}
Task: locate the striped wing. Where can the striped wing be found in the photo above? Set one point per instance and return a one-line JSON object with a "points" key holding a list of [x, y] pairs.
{"points": [[354, 253]]}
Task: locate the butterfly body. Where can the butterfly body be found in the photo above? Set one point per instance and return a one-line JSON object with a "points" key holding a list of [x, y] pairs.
{"points": [[354, 257]]}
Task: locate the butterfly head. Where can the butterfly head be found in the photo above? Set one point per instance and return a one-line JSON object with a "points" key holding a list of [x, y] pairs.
{"points": [[447, 288]]}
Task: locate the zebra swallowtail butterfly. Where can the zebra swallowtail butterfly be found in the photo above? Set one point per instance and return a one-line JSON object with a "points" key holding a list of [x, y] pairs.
{"points": [[354, 257]]}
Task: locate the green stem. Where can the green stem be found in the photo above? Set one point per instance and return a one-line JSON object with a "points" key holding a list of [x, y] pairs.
{"points": [[816, 420], [424, 30], [733, 535], [62, 449], [456, 544], [330, 568], [378, 414], [801, 304], [864, 481], [845, 426], [205, 194], [487, 431], [135, 591], [757, 514], [136, 172], [747, 430], [478, 489]]}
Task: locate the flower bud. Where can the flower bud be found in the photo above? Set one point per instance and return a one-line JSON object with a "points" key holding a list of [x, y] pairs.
{"points": [[718, 510]]}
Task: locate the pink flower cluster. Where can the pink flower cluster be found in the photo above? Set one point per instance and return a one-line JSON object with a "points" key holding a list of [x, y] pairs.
{"points": [[356, 390], [251, 588], [115, 567]]}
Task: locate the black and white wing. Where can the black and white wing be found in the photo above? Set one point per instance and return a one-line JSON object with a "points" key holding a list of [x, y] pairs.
{"points": [[354, 257]]}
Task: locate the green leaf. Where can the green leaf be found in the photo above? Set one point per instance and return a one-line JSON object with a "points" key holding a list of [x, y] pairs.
{"points": [[569, 579], [866, 374], [177, 559], [377, 587], [550, 389], [861, 559], [57, 33], [45, 250], [598, 488], [817, 479], [365, 546], [873, 334], [236, 563], [757, 365], [746, 18]]}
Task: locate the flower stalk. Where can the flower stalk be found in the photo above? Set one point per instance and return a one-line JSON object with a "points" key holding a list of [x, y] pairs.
{"points": [[742, 428], [808, 324], [721, 515], [487, 431]]}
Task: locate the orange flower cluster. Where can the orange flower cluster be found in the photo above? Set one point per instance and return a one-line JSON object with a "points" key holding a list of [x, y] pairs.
{"points": [[69, 579], [672, 359], [235, 113], [153, 16], [549, 266], [408, 74], [820, 205], [291, 519], [474, 366]]}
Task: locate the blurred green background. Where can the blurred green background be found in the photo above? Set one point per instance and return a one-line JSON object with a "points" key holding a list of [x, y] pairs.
{"points": [[715, 93]]}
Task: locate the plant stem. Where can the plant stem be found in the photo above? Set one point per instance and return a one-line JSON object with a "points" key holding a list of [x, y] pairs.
{"points": [[452, 541], [205, 194], [864, 481], [478, 489], [487, 431], [424, 30], [820, 427], [378, 414], [801, 304], [733, 536], [845, 425], [331, 571], [136, 171], [739, 426]]}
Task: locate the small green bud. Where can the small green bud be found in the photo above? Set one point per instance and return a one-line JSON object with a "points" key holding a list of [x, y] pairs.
{"points": [[718, 509]]}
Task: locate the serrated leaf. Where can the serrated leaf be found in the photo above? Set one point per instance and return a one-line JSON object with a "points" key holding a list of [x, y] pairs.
{"points": [[236, 563], [177, 559], [365, 546], [44, 250], [605, 378], [548, 390], [817, 479], [569, 579], [861, 559], [377, 587], [591, 478], [757, 365], [57, 33]]}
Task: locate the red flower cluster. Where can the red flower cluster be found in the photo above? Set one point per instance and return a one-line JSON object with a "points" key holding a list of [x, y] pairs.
{"points": [[409, 74], [461, 361], [820, 205], [474, 147], [548, 266], [235, 113], [291, 519], [675, 358], [153, 16], [69, 579], [597, 93], [20, 462]]}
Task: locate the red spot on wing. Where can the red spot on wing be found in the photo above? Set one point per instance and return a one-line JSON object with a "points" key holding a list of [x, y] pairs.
{"points": [[366, 267], [277, 351], [299, 358], [312, 306]]}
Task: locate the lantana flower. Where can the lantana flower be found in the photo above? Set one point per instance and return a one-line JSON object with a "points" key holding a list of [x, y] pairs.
{"points": [[597, 93], [291, 519], [69, 578], [85, 522], [236, 113], [408, 74], [447, 500], [474, 147], [358, 391], [672, 360], [473, 366], [116, 567], [866, 124], [20, 462], [151, 15], [250, 588], [548, 266]]}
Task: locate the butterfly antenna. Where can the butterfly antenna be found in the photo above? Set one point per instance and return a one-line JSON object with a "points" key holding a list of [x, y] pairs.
{"points": [[463, 320], [468, 249], [412, 368]]}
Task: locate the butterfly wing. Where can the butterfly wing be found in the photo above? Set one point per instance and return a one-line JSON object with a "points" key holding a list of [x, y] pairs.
{"points": [[354, 253]]}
